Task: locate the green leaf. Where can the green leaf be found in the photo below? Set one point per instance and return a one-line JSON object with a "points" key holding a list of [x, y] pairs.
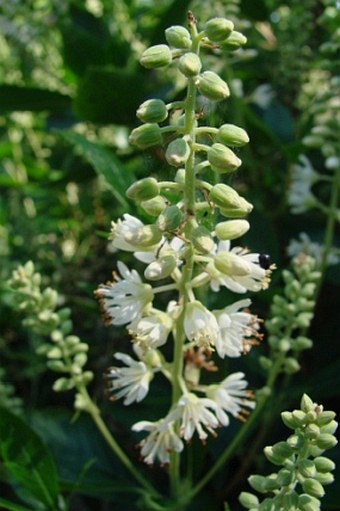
{"points": [[104, 162], [111, 95], [5, 504], [27, 460], [17, 98]]}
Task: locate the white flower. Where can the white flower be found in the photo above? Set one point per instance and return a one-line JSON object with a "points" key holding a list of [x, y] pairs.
{"points": [[306, 246], [195, 415], [124, 231], [124, 300], [300, 196], [256, 278], [230, 396], [131, 382], [162, 249], [161, 441], [151, 331], [200, 325], [238, 329]]}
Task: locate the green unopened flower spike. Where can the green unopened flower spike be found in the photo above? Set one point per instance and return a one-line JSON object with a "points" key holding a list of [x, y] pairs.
{"points": [[143, 190], [222, 159], [226, 197], [146, 136], [232, 135], [178, 37], [190, 64]]}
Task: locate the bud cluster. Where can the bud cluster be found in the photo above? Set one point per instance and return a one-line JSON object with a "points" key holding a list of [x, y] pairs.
{"points": [[291, 315], [66, 354], [304, 471]]}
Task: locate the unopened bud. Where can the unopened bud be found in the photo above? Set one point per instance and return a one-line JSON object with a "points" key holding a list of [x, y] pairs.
{"points": [[306, 468], [313, 488], [178, 152], [212, 86], [152, 110], [231, 229], [324, 464], [222, 159], [234, 41], [202, 240], [231, 264], [146, 136], [227, 198], [156, 56], [218, 29], [146, 236], [291, 365], [178, 37], [154, 206], [144, 189], [232, 135], [161, 268], [190, 64], [180, 176], [240, 212], [326, 441], [308, 503], [248, 500], [169, 219]]}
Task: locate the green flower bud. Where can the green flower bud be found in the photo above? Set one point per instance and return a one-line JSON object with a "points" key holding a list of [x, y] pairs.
{"points": [[152, 110], [156, 56], [325, 417], [146, 136], [291, 365], [161, 268], [57, 366], [222, 159], [285, 477], [282, 450], [323, 464], [313, 488], [231, 229], [262, 484], [307, 468], [248, 500], [324, 478], [178, 152], [178, 37], [306, 404], [190, 64], [218, 29], [329, 427], [227, 198], [63, 384], [180, 176], [169, 219], [302, 343], [143, 190], [202, 240], [296, 441], [326, 441], [146, 236], [234, 41], [265, 362], [308, 503], [240, 212], [154, 206], [232, 135], [231, 264], [212, 86], [300, 418]]}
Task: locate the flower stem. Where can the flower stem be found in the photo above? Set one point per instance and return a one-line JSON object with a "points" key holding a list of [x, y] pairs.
{"points": [[189, 202]]}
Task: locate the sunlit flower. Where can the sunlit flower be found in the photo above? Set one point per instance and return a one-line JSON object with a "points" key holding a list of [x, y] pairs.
{"points": [[238, 329], [125, 299], [151, 331], [200, 325], [300, 196], [254, 278], [161, 441], [231, 396], [195, 415], [131, 382]]}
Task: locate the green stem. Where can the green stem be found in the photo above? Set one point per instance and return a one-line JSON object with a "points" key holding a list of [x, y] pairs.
{"points": [[110, 440], [189, 195]]}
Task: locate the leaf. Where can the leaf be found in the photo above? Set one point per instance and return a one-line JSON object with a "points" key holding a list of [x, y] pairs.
{"points": [[5, 504], [17, 98], [104, 162], [111, 95], [27, 459]]}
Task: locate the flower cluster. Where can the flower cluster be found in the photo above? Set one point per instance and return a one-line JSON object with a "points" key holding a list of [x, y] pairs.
{"points": [[304, 470], [186, 247]]}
